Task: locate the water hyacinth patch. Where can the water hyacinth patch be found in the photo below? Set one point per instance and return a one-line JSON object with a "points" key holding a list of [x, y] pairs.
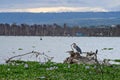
{"points": [[117, 60], [20, 49], [107, 49], [8, 69], [58, 71]]}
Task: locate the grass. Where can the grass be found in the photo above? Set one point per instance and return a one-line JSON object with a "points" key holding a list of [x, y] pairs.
{"points": [[17, 70]]}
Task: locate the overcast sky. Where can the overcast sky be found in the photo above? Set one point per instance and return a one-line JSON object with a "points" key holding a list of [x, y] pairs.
{"points": [[58, 5]]}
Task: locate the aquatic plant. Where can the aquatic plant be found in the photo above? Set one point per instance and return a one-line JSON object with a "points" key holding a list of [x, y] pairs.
{"points": [[20, 49], [107, 49], [57, 71]]}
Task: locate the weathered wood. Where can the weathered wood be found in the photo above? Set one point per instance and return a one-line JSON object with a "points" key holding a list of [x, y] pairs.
{"points": [[33, 52], [91, 58]]}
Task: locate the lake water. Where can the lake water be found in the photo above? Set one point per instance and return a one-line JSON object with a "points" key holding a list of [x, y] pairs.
{"points": [[57, 46]]}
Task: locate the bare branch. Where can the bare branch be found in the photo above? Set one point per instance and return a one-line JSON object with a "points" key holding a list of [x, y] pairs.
{"points": [[33, 52]]}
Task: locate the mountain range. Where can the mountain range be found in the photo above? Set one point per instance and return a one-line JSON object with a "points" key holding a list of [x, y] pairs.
{"points": [[70, 18]]}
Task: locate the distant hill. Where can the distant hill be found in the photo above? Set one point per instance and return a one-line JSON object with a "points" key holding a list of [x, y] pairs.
{"points": [[71, 18]]}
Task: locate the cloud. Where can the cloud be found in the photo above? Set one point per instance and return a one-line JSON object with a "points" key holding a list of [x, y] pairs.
{"points": [[23, 5], [57, 9]]}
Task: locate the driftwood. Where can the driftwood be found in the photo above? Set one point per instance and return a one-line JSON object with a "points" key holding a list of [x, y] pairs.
{"points": [[33, 52], [75, 57], [90, 58]]}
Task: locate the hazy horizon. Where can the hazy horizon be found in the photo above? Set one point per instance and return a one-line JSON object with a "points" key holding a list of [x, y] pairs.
{"points": [[37, 6]]}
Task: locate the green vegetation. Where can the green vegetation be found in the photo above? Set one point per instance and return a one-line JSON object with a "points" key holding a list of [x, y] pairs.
{"points": [[21, 70], [117, 60], [20, 49], [107, 49]]}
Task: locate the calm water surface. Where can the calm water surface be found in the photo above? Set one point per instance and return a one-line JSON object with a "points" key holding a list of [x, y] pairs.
{"points": [[57, 46]]}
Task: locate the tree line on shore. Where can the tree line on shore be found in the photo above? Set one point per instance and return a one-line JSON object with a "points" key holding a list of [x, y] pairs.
{"points": [[57, 30]]}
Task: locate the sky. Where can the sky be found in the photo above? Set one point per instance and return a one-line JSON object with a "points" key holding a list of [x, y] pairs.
{"points": [[59, 5]]}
